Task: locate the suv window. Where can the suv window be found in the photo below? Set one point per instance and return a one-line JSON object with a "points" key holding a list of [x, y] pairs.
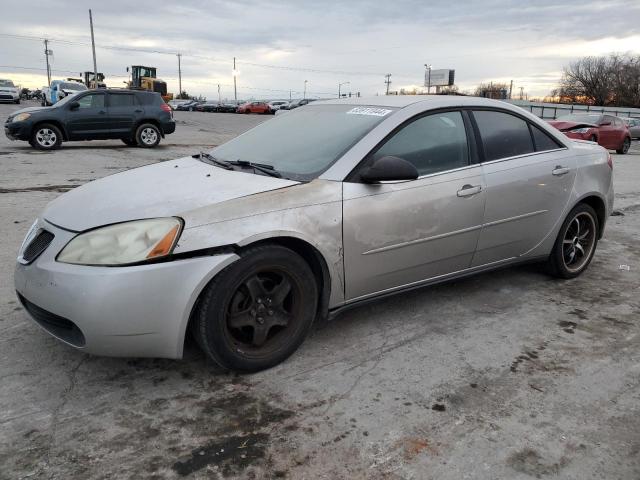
{"points": [[122, 100], [93, 100], [543, 141], [503, 135], [433, 143]]}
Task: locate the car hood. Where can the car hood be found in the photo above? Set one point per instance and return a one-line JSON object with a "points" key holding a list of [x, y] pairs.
{"points": [[165, 189], [564, 125], [28, 110]]}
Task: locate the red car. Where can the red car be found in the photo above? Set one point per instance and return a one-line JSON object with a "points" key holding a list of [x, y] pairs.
{"points": [[608, 131], [255, 107]]}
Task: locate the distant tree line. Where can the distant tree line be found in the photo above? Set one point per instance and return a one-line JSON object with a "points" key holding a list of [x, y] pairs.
{"points": [[613, 80]]}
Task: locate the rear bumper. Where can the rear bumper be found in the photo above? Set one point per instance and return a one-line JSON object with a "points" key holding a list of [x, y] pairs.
{"points": [[168, 127], [138, 311]]}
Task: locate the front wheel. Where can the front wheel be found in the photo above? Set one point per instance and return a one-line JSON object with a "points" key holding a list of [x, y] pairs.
{"points": [[257, 311], [625, 146], [148, 135], [46, 137], [576, 243]]}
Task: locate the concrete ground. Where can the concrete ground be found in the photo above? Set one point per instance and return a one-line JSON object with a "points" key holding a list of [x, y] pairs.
{"points": [[509, 375]]}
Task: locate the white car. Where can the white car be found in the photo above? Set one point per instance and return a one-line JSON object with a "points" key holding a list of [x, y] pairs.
{"points": [[60, 89], [8, 91], [277, 105]]}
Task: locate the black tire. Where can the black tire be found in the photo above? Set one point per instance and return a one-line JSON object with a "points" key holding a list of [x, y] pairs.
{"points": [[46, 136], [43, 102], [147, 135], [130, 142], [625, 146], [18, 102], [576, 243], [248, 292]]}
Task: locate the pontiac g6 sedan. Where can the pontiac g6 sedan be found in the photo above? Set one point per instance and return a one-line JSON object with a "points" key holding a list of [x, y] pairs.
{"points": [[330, 205]]}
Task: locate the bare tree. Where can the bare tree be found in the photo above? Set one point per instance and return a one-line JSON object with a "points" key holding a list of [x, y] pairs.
{"points": [[612, 80]]}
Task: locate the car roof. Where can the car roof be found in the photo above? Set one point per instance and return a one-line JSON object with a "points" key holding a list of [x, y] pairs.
{"points": [[428, 101]]}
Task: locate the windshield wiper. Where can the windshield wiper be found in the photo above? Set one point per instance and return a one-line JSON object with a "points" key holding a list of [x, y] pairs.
{"points": [[214, 160], [262, 167]]}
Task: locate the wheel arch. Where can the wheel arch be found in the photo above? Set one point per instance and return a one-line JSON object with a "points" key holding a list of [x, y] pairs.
{"points": [[56, 123], [152, 121], [598, 204], [309, 253]]}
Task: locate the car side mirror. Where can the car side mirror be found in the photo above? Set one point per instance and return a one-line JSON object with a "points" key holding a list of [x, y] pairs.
{"points": [[389, 168], [74, 105]]}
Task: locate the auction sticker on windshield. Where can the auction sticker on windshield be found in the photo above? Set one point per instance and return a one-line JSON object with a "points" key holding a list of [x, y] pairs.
{"points": [[377, 112]]}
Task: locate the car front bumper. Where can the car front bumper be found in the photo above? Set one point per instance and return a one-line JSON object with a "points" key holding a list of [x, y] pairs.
{"points": [[18, 130], [9, 97], [137, 311]]}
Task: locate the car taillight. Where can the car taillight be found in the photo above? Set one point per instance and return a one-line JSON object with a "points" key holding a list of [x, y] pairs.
{"points": [[165, 107], [609, 161]]}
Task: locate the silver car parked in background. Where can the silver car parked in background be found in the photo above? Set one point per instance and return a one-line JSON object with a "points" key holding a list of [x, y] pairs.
{"points": [[333, 204]]}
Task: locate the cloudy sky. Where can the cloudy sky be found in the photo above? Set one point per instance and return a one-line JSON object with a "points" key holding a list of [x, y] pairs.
{"points": [[280, 44]]}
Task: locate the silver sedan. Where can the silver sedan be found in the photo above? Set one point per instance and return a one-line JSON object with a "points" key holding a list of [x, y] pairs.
{"points": [[318, 209]]}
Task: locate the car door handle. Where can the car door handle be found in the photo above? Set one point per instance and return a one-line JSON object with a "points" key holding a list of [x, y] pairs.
{"points": [[560, 170], [469, 190]]}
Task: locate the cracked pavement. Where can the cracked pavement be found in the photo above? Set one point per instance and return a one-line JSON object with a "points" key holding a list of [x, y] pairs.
{"points": [[509, 374]]}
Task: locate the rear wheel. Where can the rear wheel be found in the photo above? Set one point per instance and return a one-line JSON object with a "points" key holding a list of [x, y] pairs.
{"points": [[147, 135], [257, 311], [46, 137], [576, 243], [625, 146]]}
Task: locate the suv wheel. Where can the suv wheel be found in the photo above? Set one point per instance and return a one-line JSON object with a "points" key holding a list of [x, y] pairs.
{"points": [[256, 312], [148, 135], [46, 137]]}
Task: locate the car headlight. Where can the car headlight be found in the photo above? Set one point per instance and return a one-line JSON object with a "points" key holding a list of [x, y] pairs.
{"points": [[123, 243], [581, 130], [21, 117]]}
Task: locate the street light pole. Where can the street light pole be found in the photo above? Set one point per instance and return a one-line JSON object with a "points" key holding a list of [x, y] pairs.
{"points": [[93, 47], [179, 75], [340, 86], [235, 74], [304, 93]]}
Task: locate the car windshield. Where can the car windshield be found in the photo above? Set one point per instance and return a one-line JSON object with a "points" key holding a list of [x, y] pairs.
{"points": [[7, 83], [72, 86], [581, 118], [302, 144]]}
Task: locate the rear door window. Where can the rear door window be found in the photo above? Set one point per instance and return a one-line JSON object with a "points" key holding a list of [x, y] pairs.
{"points": [[93, 100], [503, 135], [543, 141], [122, 100]]}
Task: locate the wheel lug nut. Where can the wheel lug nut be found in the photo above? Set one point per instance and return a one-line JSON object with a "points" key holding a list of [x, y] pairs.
{"points": [[260, 320]]}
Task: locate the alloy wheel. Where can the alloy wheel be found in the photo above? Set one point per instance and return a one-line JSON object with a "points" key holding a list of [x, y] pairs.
{"points": [[149, 136], [579, 241], [46, 137]]}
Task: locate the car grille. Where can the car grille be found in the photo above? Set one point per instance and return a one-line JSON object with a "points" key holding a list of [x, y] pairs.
{"points": [[4, 96], [38, 245], [56, 325]]}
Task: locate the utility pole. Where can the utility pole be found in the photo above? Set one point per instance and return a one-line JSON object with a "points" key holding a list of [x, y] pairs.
{"points": [[235, 74], [289, 95], [93, 48], [219, 98], [47, 52], [179, 55], [510, 89], [304, 94], [388, 81], [521, 92]]}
